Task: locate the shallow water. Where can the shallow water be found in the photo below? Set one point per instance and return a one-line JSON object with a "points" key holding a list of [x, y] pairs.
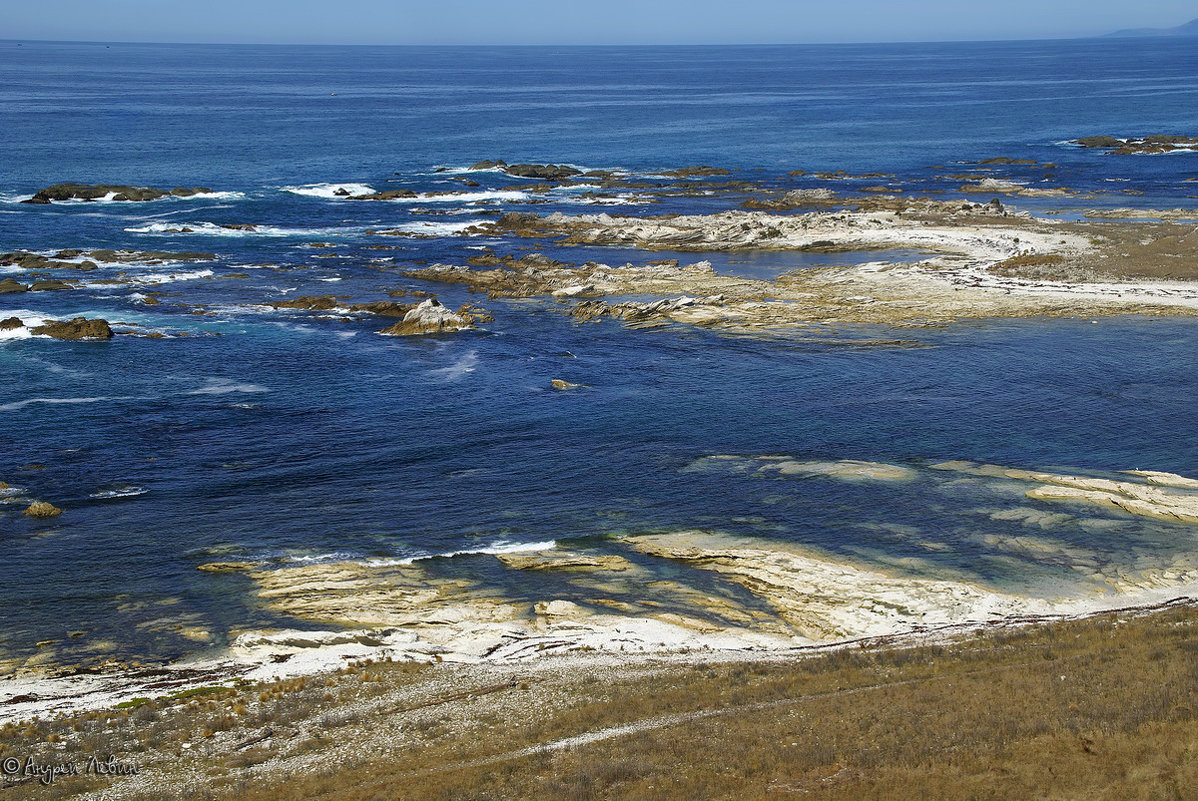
{"points": [[293, 435]]}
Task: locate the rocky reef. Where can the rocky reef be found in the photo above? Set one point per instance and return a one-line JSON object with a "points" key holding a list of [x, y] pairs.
{"points": [[1133, 145], [979, 261]]}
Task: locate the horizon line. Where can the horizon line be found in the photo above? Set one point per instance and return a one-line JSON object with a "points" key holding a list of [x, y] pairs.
{"points": [[580, 44]]}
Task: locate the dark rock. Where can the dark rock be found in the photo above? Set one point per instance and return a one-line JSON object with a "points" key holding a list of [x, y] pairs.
{"points": [[109, 256], [542, 172], [11, 323], [78, 328], [239, 227], [49, 286], [8, 286], [1006, 160], [696, 172], [120, 192], [384, 308], [1098, 141], [341, 192], [310, 302], [488, 165], [70, 253], [390, 194]]}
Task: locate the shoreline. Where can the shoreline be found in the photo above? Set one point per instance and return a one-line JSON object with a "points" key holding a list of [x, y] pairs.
{"points": [[692, 595], [49, 698]]}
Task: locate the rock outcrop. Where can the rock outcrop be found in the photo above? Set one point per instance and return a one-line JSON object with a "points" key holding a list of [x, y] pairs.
{"points": [[117, 192], [42, 509], [9, 286], [78, 328], [430, 317], [541, 172]]}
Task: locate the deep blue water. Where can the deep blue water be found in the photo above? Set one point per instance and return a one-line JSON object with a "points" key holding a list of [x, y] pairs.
{"points": [[283, 434]]}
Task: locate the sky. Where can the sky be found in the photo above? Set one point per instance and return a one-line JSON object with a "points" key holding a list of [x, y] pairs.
{"points": [[475, 22]]}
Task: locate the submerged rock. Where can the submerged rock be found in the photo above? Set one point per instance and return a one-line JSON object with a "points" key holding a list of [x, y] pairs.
{"points": [[696, 172], [228, 567], [78, 328], [430, 317]]}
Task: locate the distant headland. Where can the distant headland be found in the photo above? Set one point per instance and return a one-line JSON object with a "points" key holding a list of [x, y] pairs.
{"points": [[1188, 29]]}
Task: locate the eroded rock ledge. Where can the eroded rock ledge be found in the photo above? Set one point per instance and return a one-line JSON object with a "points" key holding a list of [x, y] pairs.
{"points": [[978, 264]]}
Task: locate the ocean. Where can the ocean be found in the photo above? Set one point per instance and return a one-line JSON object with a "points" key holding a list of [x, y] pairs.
{"points": [[250, 432]]}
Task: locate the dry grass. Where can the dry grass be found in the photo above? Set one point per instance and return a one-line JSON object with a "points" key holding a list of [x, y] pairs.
{"points": [[1102, 708]]}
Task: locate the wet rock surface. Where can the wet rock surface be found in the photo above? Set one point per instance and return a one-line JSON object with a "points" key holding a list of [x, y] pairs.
{"points": [[115, 192], [78, 328]]}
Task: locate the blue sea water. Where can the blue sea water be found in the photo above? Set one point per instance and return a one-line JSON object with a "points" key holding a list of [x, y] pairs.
{"points": [[288, 435]]}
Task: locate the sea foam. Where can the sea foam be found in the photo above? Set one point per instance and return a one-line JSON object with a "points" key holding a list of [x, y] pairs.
{"points": [[500, 547], [329, 191]]}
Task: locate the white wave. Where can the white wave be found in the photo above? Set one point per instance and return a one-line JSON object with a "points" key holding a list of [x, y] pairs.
{"points": [[127, 491], [224, 386], [469, 197], [498, 548], [489, 195], [608, 200], [444, 169], [427, 228], [212, 196], [29, 318], [330, 191], [459, 368], [9, 491], [154, 279], [12, 407], [214, 229]]}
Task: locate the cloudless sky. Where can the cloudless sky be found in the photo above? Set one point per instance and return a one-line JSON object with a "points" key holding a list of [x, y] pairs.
{"points": [[577, 21]]}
